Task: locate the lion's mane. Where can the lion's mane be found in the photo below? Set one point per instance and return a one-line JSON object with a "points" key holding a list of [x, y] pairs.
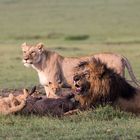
{"points": [[106, 86]]}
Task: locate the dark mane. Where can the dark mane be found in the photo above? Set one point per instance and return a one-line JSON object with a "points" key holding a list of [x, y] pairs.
{"points": [[82, 64], [117, 86], [105, 86]]}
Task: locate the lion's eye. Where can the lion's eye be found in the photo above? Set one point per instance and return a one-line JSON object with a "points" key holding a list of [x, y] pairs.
{"points": [[24, 51], [86, 74], [33, 53]]}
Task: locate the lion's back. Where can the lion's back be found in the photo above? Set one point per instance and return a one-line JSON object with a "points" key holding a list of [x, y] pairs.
{"points": [[112, 60]]}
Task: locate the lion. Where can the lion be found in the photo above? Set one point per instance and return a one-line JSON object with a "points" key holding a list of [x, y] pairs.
{"points": [[95, 83], [13, 104], [54, 69]]}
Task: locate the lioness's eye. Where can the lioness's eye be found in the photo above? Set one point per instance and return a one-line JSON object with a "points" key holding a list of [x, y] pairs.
{"points": [[33, 53]]}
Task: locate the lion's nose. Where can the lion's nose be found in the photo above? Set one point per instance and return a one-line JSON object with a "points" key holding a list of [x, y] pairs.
{"points": [[76, 78], [26, 58]]}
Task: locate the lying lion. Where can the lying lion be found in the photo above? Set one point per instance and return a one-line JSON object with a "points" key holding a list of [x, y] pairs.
{"points": [[54, 69], [95, 83], [12, 104]]}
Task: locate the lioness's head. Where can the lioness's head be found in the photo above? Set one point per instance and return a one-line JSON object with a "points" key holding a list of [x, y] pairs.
{"points": [[32, 54]]}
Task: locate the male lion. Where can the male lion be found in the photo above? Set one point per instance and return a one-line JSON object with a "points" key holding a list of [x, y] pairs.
{"points": [[95, 84], [57, 71]]}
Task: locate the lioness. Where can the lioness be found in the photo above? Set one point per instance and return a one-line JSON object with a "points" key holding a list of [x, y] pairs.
{"points": [[95, 83], [54, 69], [12, 104]]}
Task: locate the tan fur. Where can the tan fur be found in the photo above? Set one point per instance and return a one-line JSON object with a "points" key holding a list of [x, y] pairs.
{"points": [[106, 86], [54, 68], [12, 104]]}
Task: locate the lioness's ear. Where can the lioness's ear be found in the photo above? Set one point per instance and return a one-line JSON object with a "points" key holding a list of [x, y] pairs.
{"points": [[24, 44], [40, 46]]}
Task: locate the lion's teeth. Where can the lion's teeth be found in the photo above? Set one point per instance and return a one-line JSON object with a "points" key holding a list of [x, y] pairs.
{"points": [[78, 89]]}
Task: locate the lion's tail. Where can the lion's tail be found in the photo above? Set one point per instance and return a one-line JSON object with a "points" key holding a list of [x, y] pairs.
{"points": [[130, 71]]}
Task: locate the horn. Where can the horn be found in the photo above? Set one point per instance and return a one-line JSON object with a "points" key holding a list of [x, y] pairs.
{"points": [[32, 90]]}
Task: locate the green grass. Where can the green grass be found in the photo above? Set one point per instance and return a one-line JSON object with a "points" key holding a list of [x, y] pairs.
{"points": [[104, 123], [103, 21], [72, 28]]}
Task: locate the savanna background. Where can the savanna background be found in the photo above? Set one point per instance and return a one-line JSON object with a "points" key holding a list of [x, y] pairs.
{"points": [[71, 28]]}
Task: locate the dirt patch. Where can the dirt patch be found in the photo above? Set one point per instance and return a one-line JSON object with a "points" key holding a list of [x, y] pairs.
{"points": [[5, 92]]}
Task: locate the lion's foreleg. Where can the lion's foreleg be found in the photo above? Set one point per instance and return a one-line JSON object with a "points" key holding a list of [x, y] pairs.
{"points": [[84, 101], [72, 112]]}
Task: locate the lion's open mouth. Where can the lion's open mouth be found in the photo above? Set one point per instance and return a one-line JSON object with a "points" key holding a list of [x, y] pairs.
{"points": [[81, 89], [78, 88]]}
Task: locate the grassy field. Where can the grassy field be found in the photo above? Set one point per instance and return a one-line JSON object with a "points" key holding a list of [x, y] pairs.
{"points": [[104, 123], [72, 28]]}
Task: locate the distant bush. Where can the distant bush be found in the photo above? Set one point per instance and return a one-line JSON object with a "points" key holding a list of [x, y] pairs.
{"points": [[54, 35], [77, 37]]}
